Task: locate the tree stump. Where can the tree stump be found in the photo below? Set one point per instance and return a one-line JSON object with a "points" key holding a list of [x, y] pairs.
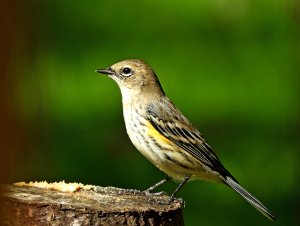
{"points": [[77, 204]]}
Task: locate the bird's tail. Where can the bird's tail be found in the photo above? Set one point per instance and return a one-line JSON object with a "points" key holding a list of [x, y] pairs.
{"points": [[250, 198]]}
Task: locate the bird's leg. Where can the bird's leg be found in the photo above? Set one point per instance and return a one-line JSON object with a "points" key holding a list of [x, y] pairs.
{"points": [[157, 185], [179, 187]]}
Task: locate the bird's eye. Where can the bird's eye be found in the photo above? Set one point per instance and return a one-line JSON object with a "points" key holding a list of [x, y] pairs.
{"points": [[126, 71]]}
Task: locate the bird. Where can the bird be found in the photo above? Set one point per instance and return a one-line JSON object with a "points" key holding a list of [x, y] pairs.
{"points": [[163, 135]]}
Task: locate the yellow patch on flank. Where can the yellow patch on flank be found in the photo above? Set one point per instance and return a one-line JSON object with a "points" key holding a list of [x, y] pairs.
{"points": [[157, 135]]}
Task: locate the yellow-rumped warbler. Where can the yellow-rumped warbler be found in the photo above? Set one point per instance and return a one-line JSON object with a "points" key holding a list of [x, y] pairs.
{"points": [[164, 135]]}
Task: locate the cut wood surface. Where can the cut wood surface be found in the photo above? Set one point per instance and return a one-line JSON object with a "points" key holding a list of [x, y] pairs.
{"points": [[77, 204]]}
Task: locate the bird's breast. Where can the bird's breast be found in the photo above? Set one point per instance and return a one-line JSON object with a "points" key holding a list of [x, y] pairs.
{"points": [[143, 135], [157, 148]]}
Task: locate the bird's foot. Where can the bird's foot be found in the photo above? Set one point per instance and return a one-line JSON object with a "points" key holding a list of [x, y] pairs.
{"points": [[149, 192]]}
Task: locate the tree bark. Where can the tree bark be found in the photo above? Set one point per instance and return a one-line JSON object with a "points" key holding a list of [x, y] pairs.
{"points": [[93, 205]]}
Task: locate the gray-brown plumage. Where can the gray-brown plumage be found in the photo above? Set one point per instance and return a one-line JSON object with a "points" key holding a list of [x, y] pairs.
{"points": [[164, 135]]}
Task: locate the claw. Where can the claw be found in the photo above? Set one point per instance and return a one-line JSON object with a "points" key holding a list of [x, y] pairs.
{"points": [[160, 193], [148, 192]]}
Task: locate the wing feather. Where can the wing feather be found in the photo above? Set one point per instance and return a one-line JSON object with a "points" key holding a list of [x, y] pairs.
{"points": [[184, 135]]}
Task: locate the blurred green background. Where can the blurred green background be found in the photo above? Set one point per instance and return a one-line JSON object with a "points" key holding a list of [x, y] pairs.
{"points": [[232, 67]]}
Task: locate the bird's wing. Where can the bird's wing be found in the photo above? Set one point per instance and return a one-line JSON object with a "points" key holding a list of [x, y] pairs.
{"points": [[184, 135]]}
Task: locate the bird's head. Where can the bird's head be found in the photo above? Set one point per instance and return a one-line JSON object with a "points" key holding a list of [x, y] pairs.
{"points": [[133, 76]]}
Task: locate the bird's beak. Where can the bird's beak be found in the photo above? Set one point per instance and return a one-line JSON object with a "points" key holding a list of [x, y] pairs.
{"points": [[107, 71]]}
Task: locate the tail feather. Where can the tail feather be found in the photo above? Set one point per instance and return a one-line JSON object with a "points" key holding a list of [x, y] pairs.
{"points": [[250, 198]]}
